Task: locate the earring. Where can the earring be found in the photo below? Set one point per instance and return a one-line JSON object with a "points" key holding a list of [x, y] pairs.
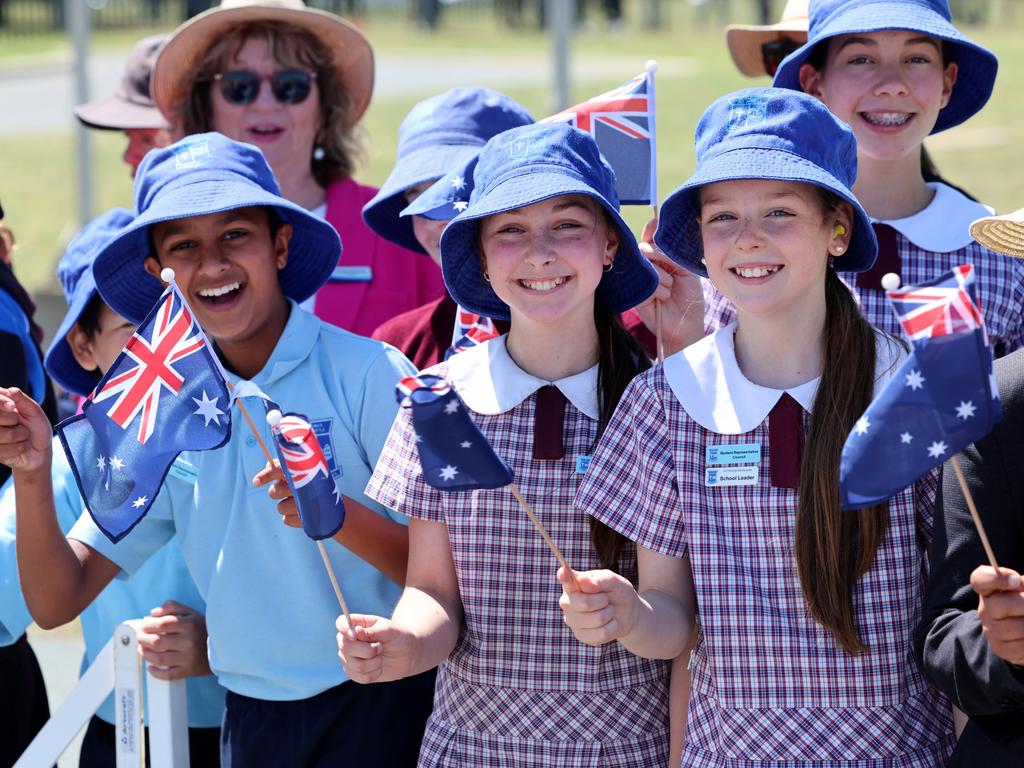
{"points": [[319, 153], [840, 250], [487, 278], [703, 261], [609, 265]]}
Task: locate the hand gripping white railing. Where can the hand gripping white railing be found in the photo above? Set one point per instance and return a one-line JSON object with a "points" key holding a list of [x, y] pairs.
{"points": [[118, 668]]}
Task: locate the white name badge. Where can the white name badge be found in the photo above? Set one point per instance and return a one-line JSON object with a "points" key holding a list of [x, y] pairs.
{"points": [[354, 274], [745, 453], [183, 470], [720, 477]]}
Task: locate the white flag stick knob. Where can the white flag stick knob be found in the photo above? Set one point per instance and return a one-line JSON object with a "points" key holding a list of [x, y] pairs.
{"points": [[273, 417], [651, 65], [167, 274], [890, 281]]}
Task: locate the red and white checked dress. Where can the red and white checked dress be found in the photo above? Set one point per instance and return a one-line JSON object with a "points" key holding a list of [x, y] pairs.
{"points": [[771, 687], [519, 690], [930, 243]]}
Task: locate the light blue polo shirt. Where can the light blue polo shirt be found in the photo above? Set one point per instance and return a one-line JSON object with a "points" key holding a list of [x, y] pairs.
{"points": [[270, 608], [164, 577]]}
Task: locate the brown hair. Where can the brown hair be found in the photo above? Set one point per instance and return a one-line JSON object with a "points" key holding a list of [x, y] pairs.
{"points": [[833, 547], [291, 45]]}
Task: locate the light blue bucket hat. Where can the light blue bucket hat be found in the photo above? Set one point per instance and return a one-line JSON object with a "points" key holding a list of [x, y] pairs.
{"points": [[524, 166], [766, 133], [830, 18]]}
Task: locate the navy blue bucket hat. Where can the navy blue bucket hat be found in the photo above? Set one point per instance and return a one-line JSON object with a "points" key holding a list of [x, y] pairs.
{"points": [[767, 133], [439, 134], [75, 272], [831, 18], [199, 175], [525, 166]]}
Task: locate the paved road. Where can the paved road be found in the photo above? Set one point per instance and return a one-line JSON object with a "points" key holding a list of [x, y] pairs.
{"points": [[39, 98]]}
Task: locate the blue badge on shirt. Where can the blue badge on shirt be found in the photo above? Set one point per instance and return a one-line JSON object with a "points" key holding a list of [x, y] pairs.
{"points": [[322, 430], [745, 453], [353, 274], [583, 464]]}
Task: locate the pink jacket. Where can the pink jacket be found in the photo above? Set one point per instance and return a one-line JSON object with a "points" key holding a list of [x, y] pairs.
{"points": [[375, 279]]}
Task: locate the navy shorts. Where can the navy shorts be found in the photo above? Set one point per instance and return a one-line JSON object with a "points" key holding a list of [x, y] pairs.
{"points": [[382, 723]]}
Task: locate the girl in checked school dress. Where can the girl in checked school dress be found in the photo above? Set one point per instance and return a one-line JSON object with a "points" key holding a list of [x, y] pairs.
{"points": [[542, 245], [725, 462]]}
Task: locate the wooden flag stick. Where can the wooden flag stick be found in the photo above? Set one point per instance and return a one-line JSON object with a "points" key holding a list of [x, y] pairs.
{"points": [[544, 533], [955, 461]]}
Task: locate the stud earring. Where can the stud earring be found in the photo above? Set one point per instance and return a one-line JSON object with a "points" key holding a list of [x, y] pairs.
{"points": [[319, 153], [840, 250]]}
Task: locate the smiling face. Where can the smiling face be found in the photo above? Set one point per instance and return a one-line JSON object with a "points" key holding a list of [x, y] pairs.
{"points": [[427, 231], [545, 260], [284, 132], [766, 243], [888, 86], [226, 265]]}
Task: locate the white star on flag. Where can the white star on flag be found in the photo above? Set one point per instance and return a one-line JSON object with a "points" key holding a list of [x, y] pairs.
{"points": [[458, 183], [208, 409], [861, 427], [101, 463], [465, 444], [140, 502], [116, 463], [966, 410], [460, 205], [449, 472], [451, 406], [915, 380], [906, 437], [416, 438], [935, 450]]}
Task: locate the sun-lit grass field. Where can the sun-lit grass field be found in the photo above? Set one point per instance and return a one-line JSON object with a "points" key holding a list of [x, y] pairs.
{"points": [[37, 181]]}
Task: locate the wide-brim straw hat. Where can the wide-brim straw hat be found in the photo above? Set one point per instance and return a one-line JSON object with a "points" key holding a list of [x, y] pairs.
{"points": [[745, 40], [352, 54], [1004, 234]]}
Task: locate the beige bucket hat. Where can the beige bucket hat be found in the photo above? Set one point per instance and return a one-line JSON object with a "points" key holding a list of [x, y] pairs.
{"points": [[353, 56], [745, 40], [1001, 233]]}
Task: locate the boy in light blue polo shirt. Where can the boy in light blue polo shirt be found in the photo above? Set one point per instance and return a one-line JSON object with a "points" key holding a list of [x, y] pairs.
{"points": [[244, 258], [90, 335]]}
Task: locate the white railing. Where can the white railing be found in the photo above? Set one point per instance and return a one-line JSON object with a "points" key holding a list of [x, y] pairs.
{"points": [[118, 668]]}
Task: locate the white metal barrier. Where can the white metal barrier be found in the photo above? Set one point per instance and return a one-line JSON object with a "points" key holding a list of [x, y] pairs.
{"points": [[118, 668]]}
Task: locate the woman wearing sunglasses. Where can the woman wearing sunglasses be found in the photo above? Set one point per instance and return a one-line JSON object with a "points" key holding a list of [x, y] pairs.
{"points": [[294, 81]]}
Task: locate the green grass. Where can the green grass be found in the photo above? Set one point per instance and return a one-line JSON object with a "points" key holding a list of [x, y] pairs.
{"points": [[986, 156]]}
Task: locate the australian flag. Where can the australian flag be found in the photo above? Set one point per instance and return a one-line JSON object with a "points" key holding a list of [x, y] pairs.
{"points": [[164, 394], [448, 196], [470, 330], [622, 123], [454, 454], [940, 400], [305, 467]]}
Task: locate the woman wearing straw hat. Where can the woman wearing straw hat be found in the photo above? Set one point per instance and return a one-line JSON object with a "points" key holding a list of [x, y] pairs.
{"points": [[294, 81], [970, 642]]}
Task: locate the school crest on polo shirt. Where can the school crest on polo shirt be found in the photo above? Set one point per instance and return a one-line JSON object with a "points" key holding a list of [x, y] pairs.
{"points": [[322, 430]]}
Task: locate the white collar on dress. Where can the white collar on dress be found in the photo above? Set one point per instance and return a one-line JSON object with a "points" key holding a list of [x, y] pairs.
{"points": [[945, 223], [489, 381], [709, 384]]}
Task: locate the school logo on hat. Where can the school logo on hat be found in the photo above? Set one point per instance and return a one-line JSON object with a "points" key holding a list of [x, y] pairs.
{"points": [[746, 110], [528, 146], [191, 154]]}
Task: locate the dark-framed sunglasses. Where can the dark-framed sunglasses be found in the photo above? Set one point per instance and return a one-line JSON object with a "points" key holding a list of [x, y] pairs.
{"points": [[774, 51], [240, 86]]}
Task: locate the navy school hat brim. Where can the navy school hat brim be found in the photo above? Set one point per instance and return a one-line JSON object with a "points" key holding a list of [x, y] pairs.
{"points": [[383, 213], [124, 283], [631, 280], [977, 66], [59, 361], [678, 233]]}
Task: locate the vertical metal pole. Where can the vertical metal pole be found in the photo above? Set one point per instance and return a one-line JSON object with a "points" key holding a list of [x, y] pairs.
{"points": [[168, 723], [560, 17], [77, 13]]}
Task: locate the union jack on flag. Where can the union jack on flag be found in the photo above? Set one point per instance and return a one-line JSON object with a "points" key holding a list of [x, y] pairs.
{"points": [[168, 382], [622, 123], [306, 470], [150, 364], [470, 330], [940, 308]]}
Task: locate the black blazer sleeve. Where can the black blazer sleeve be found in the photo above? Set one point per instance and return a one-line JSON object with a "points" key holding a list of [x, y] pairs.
{"points": [[951, 649]]}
